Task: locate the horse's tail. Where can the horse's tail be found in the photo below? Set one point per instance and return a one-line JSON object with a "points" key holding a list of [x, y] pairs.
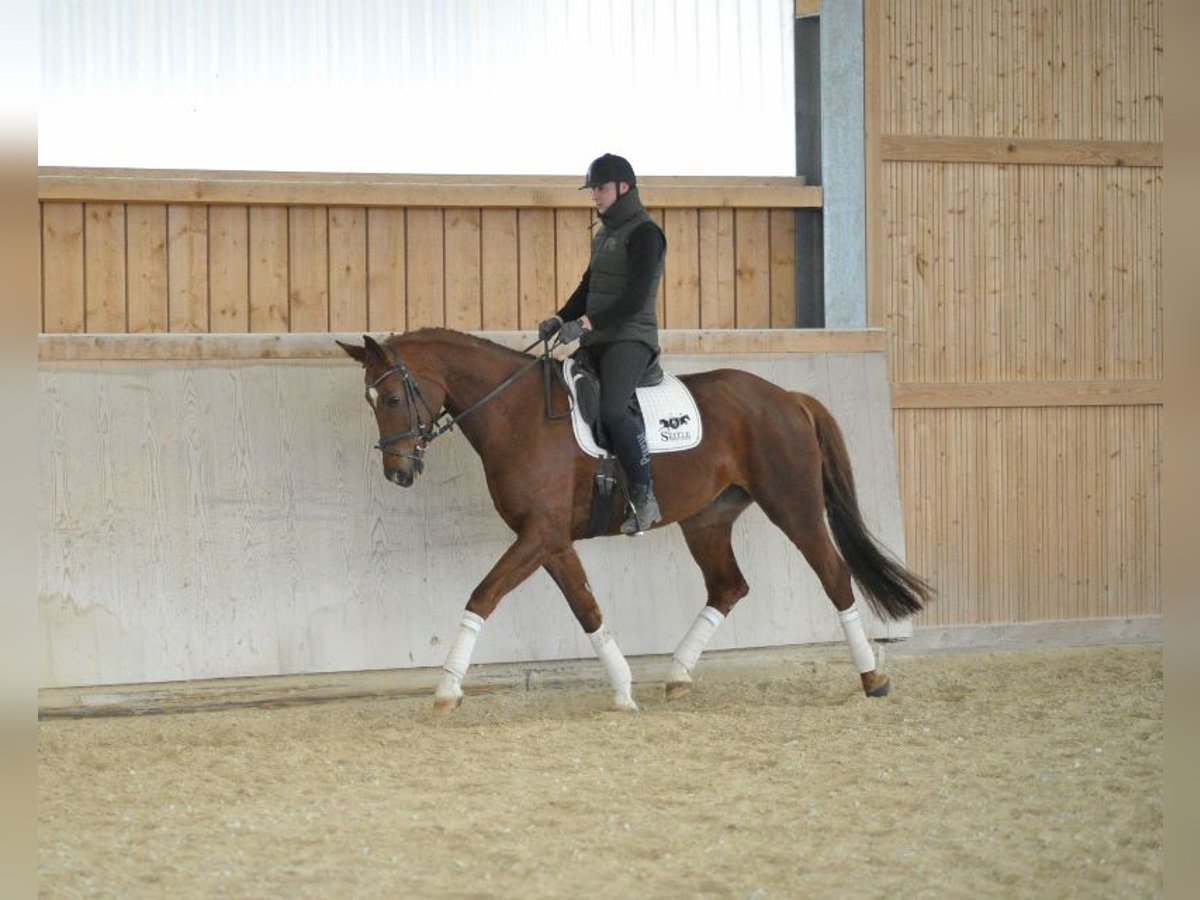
{"points": [[892, 590]]}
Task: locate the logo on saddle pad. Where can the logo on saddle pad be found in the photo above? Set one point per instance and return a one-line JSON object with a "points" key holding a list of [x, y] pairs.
{"points": [[669, 413], [670, 429]]}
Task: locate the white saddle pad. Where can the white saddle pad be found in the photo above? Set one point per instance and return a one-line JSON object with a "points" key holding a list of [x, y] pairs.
{"points": [[669, 412]]}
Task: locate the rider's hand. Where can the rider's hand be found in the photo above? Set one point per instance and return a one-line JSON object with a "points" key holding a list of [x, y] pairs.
{"points": [[549, 328], [571, 331]]}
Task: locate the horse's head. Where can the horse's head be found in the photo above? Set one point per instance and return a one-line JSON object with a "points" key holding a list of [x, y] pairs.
{"points": [[406, 406]]}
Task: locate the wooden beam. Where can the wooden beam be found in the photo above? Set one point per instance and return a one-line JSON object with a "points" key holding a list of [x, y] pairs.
{"points": [[60, 348], [806, 8], [949, 395], [479, 191], [1019, 151]]}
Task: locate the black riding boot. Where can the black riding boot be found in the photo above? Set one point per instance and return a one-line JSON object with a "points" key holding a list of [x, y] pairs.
{"points": [[645, 510]]}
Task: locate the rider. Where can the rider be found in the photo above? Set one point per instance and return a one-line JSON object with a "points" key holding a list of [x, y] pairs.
{"points": [[613, 315]]}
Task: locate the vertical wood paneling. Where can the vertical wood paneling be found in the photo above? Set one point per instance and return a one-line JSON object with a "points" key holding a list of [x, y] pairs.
{"points": [[104, 265], [783, 268], [308, 268], [572, 251], [62, 267], [718, 305], [229, 268], [146, 230], [187, 268], [268, 268], [1022, 272], [681, 272], [347, 268], [753, 270], [260, 268], [464, 269], [387, 268], [426, 268], [539, 288], [1033, 514], [1034, 273], [660, 298], [1080, 69], [500, 291]]}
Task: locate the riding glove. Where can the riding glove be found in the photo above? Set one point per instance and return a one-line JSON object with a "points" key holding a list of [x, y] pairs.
{"points": [[549, 328], [570, 331]]}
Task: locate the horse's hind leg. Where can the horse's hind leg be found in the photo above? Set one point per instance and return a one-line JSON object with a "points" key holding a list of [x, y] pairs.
{"points": [[803, 521], [709, 538]]}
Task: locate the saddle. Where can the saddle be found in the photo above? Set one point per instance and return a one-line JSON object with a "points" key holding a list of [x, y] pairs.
{"points": [[669, 413], [668, 410]]}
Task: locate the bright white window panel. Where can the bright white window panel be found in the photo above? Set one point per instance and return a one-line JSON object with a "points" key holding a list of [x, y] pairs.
{"points": [[691, 87]]}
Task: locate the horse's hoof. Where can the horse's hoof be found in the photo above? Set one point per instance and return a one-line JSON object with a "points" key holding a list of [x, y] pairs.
{"points": [[677, 689], [444, 705], [876, 685], [626, 704]]}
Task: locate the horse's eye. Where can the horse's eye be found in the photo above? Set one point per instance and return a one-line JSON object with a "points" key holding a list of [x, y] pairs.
{"points": [[393, 401]]}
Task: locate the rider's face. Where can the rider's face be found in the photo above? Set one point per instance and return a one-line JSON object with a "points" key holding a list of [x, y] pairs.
{"points": [[606, 195]]}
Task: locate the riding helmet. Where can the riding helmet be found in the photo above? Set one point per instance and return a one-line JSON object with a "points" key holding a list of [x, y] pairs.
{"points": [[606, 168]]}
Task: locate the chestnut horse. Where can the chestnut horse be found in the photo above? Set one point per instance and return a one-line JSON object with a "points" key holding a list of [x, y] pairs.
{"points": [[761, 444]]}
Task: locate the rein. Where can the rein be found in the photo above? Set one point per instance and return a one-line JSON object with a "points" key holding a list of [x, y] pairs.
{"points": [[416, 402]]}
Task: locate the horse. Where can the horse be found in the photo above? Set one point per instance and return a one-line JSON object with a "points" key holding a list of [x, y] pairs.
{"points": [[761, 444]]}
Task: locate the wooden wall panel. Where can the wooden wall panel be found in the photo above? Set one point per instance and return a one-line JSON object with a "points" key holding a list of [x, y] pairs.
{"points": [[660, 299], [783, 268], [426, 268], [1022, 273], [268, 268], [308, 268], [1018, 242], [387, 279], [464, 269], [62, 268], [1077, 69], [229, 268], [499, 253], [1022, 515], [104, 267], [187, 268], [347, 268], [539, 286], [752, 280], [681, 272], [146, 231], [572, 251], [718, 288]]}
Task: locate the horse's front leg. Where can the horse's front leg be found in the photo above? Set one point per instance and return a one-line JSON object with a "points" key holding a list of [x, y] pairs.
{"points": [[518, 563], [567, 571]]}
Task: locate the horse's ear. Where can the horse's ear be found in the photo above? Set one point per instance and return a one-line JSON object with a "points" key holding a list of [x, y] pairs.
{"points": [[373, 349], [354, 351]]}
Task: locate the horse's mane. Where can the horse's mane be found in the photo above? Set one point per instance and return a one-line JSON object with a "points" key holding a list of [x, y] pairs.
{"points": [[435, 335]]}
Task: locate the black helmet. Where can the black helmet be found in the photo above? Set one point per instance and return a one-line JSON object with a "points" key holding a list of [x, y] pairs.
{"points": [[608, 168]]}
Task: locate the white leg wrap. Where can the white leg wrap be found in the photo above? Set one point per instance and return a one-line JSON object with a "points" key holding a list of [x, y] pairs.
{"points": [[860, 649], [459, 658], [693, 644], [615, 666]]}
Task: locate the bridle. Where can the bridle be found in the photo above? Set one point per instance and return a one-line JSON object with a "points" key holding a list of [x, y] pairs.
{"points": [[428, 425]]}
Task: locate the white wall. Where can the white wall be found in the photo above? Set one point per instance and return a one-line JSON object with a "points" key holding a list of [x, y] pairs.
{"points": [[204, 520], [681, 87]]}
